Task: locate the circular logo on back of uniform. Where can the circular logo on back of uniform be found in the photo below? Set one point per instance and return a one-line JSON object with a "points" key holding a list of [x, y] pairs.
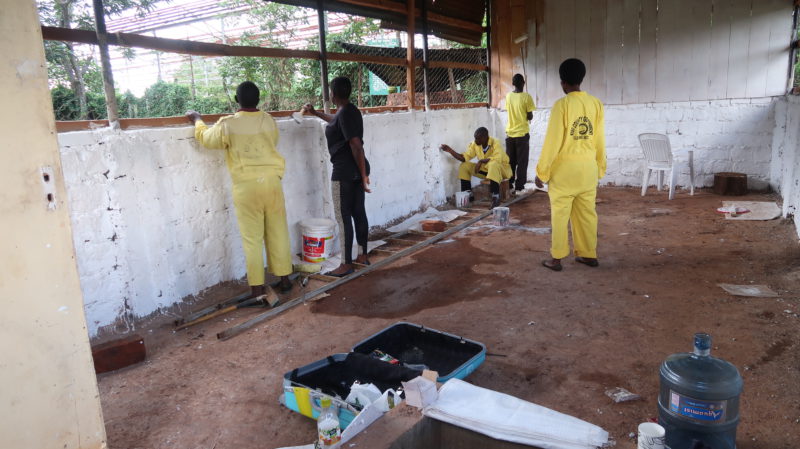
{"points": [[581, 128]]}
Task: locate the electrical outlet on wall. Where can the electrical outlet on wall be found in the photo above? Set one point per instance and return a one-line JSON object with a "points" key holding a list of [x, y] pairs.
{"points": [[49, 187]]}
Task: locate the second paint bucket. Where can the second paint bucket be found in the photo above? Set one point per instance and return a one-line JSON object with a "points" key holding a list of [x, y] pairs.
{"points": [[317, 239]]}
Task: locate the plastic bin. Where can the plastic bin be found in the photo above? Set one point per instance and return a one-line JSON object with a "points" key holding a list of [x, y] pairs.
{"points": [[450, 355]]}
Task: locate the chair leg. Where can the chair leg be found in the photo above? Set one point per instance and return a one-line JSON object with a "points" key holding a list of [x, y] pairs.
{"points": [[691, 172], [673, 175], [645, 180], [660, 180]]}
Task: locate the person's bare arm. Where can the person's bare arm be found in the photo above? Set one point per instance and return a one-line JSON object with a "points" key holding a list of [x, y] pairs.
{"points": [[308, 108], [530, 116], [446, 148], [358, 154]]}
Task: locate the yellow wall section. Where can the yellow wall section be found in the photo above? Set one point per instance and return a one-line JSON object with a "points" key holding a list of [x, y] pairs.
{"points": [[49, 391]]}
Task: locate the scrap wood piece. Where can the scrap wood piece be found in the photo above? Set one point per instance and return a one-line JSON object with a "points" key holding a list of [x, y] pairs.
{"points": [[754, 291], [116, 354], [620, 394]]}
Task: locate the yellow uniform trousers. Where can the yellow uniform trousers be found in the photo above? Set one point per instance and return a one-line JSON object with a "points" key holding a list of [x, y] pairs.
{"points": [[492, 170], [261, 213], [572, 190]]}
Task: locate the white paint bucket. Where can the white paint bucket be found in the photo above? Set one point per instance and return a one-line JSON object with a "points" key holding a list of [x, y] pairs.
{"points": [[317, 239], [462, 199]]}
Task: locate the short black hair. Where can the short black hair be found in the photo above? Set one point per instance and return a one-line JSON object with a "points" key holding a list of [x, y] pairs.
{"points": [[341, 87], [517, 79], [572, 71], [482, 131], [247, 94]]}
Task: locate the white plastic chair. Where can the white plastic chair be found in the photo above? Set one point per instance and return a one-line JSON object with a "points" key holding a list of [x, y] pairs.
{"points": [[659, 157]]}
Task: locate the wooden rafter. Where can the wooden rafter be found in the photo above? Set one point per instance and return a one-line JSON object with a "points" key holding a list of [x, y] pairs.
{"points": [[384, 5], [212, 49]]}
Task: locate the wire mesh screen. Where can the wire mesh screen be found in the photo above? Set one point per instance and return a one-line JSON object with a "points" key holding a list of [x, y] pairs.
{"points": [[157, 84]]}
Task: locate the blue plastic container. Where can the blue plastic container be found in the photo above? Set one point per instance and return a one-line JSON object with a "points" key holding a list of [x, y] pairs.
{"points": [[699, 398]]}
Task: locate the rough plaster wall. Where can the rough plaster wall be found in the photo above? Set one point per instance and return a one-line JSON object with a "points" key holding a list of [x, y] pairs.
{"points": [[153, 216], [154, 221], [785, 173], [726, 135]]}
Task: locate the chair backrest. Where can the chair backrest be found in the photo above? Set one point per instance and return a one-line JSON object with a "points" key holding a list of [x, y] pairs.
{"points": [[656, 148]]}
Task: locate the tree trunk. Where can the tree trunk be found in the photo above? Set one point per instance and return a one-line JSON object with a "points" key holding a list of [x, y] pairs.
{"points": [[74, 72]]}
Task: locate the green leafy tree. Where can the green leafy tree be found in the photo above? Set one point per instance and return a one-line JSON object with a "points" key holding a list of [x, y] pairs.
{"points": [[65, 66], [165, 99]]}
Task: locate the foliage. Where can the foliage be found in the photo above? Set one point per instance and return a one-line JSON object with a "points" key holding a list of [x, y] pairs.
{"points": [[208, 85], [165, 100]]}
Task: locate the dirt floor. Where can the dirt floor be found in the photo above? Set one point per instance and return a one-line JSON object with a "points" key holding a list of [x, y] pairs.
{"points": [[562, 338]]}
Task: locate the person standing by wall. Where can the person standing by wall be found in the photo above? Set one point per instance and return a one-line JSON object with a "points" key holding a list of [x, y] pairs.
{"points": [[250, 139], [345, 136], [520, 109], [572, 162]]}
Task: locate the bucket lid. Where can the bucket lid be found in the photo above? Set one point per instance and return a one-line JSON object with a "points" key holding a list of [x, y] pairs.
{"points": [[317, 223]]}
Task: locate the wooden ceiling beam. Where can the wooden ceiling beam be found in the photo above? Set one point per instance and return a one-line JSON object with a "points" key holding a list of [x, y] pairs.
{"points": [[399, 8]]}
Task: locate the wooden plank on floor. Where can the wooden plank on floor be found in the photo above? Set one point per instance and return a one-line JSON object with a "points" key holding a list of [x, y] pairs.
{"points": [[117, 354]]}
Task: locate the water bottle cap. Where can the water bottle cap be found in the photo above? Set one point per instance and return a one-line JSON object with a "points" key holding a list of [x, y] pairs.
{"points": [[702, 341], [325, 402]]}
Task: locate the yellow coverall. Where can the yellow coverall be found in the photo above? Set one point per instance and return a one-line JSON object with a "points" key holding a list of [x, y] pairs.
{"points": [[572, 162], [249, 140], [497, 169]]}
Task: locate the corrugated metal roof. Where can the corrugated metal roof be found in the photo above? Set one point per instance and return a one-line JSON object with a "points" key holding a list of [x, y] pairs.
{"points": [[465, 27]]}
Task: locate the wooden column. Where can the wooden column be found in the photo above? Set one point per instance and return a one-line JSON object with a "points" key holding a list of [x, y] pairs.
{"points": [[410, 56], [425, 54], [489, 51], [105, 60], [323, 57]]}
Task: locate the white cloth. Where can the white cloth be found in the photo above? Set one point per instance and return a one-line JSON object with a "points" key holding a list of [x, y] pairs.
{"points": [[508, 418]]}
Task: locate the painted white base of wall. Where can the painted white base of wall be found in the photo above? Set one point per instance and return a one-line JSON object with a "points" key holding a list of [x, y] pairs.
{"points": [[725, 135], [152, 213], [785, 174]]}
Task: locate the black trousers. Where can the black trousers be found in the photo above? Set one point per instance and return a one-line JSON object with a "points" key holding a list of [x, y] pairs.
{"points": [[352, 210], [518, 150]]}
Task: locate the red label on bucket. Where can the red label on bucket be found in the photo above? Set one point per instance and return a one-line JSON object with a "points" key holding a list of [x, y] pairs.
{"points": [[313, 246]]}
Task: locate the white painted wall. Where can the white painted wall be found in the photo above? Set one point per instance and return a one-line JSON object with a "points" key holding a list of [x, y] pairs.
{"points": [[785, 175], [153, 215], [725, 135], [642, 51], [154, 221]]}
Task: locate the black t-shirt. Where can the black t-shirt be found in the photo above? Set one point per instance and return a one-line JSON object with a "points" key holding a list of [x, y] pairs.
{"points": [[346, 124]]}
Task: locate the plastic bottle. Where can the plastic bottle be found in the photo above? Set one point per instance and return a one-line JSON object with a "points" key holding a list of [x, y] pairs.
{"points": [[699, 398], [328, 425]]}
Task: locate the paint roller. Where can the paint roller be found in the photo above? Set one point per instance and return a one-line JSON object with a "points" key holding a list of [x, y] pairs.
{"points": [[519, 40]]}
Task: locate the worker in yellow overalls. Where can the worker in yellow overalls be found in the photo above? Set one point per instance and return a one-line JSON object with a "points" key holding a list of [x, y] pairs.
{"points": [[572, 162], [492, 163], [250, 138]]}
